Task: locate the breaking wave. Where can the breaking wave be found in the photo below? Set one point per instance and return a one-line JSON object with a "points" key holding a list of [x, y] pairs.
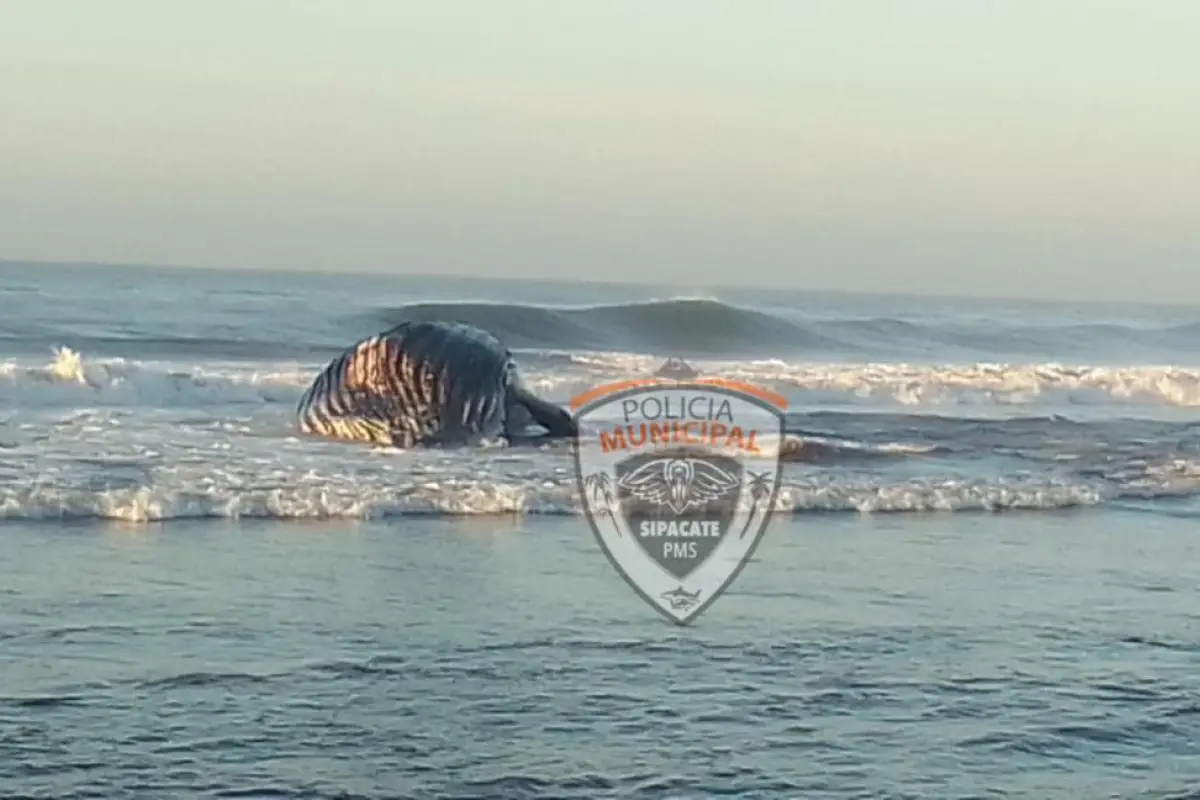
{"points": [[72, 379], [688, 327], [682, 326], [709, 327]]}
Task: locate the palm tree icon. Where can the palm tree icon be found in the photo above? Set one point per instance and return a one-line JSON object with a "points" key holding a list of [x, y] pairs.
{"points": [[759, 488], [760, 491], [599, 484]]}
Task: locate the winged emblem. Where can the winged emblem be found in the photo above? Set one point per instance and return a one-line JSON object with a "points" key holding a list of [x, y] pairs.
{"points": [[678, 483]]}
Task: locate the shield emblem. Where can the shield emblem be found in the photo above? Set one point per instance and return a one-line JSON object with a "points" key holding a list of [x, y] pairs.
{"points": [[678, 481]]}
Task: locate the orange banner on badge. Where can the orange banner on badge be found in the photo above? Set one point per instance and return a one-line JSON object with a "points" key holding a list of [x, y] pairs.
{"points": [[580, 400]]}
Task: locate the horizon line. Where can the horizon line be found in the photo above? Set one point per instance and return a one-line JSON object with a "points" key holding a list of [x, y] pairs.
{"points": [[510, 279]]}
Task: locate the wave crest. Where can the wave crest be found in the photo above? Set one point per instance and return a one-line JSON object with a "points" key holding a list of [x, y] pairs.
{"points": [[684, 326], [70, 380], [343, 500], [73, 380], [711, 327]]}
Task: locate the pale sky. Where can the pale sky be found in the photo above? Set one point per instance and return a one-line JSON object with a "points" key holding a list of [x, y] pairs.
{"points": [[1032, 147]]}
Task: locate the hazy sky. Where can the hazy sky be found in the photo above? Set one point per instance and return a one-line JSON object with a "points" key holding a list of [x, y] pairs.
{"points": [[1037, 147]]}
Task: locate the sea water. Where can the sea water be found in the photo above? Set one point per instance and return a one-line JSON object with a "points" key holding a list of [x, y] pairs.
{"points": [[982, 588]]}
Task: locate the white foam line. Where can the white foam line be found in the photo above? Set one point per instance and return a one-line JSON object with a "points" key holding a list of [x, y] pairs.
{"points": [[72, 380], [336, 500]]}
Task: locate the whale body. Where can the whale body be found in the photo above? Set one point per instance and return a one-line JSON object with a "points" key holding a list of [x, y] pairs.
{"points": [[427, 383]]}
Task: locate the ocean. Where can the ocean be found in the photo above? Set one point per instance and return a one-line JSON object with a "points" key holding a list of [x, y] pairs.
{"points": [[983, 587]]}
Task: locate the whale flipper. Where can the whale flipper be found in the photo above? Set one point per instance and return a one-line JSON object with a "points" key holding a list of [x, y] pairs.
{"points": [[424, 384], [557, 421]]}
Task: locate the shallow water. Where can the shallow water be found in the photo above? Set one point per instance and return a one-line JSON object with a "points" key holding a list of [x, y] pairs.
{"points": [[195, 601], [986, 656]]}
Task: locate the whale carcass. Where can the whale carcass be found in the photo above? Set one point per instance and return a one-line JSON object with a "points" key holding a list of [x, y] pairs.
{"points": [[428, 383]]}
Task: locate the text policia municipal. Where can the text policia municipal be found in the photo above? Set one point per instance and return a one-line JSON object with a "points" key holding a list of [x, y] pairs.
{"points": [[701, 419]]}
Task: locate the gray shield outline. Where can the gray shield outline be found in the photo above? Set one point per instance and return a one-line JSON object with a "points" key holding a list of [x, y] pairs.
{"points": [[768, 515]]}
